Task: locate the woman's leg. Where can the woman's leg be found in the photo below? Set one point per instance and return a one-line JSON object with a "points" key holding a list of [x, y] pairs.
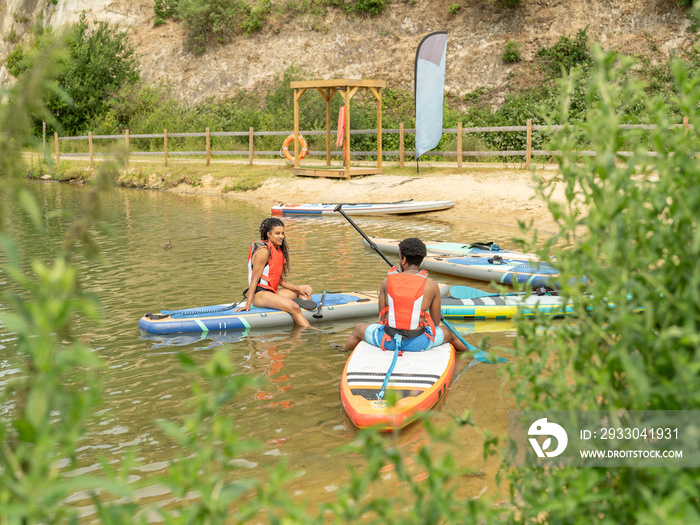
{"points": [[281, 301]]}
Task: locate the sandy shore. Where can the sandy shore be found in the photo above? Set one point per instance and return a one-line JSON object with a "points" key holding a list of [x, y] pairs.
{"points": [[496, 196]]}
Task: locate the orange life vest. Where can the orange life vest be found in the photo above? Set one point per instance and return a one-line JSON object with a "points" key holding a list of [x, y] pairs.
{"points": [[403, 313], [272, 273]]}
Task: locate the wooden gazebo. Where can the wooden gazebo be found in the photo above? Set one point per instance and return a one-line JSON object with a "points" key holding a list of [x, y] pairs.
{"points": [[328, 89]]}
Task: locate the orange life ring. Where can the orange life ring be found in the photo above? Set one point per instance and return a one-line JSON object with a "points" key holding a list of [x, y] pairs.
{"points": [[288, 141]]}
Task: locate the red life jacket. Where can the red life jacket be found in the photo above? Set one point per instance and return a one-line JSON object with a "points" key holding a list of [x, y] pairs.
{"points": [[403, 313], [272, 273]]}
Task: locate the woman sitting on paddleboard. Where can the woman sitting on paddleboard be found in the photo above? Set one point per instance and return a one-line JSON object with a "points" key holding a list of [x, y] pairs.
{"points": [[409, 308], [268, 263]]}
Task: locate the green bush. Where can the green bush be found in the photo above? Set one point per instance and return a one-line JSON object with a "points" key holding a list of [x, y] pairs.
{"points": [[15, 61], [631, 236], [511, 53], [370, 7], [566, 54], [454, 9], [165, 9], [509, 3], [209, 22]]}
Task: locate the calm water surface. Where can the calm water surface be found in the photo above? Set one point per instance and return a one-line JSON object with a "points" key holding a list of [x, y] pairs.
{"points": [[295, 411]]}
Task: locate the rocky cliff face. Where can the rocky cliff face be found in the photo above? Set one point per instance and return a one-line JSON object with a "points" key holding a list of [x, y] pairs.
{"points": [[349, 46]]}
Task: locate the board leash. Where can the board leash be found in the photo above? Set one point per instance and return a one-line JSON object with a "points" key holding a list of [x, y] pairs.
{"points": [[380, 394]]}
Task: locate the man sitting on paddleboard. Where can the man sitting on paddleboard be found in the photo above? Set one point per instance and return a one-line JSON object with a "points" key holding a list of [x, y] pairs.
{"points": [[268, 263], [409, 308]]}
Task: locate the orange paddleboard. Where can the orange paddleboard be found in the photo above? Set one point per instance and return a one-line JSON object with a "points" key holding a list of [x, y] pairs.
{"points": [[419, 380]]}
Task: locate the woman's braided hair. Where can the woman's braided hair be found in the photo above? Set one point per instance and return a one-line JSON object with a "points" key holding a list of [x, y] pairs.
{"points": [[266, 227]]}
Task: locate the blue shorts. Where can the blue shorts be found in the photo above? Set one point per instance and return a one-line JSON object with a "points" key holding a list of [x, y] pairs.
{"points": [[375, 333]]}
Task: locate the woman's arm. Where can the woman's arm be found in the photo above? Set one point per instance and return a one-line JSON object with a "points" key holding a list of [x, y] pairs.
{"points": [[260, 259], [302, 290]]}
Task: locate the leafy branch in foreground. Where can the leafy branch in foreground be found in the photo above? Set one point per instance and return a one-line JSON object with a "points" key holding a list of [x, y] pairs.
{"points": [[630, 226]]}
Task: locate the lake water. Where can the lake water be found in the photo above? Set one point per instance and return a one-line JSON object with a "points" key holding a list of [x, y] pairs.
{"points": [[295, 411]]}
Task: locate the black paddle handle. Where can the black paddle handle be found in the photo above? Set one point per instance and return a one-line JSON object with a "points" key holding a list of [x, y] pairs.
{"points": [[339, 208]]}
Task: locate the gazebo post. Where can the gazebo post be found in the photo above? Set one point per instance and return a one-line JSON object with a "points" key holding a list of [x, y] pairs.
{"points": [[346, 131], [296, 128], [379, 129], [328, 98], [377, 92]]}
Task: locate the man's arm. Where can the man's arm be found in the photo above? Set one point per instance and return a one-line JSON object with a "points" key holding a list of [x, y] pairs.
{"points": [[432, 291], [382, 296]]}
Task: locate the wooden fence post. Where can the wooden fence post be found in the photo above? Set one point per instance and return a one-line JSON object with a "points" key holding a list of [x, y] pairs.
{"points": [[401, 153], [685, 123], [250, 146], [165, 145], [90, 146], [208, 140], [126, 142], [528, 152], [58, 153], [459, 145]]}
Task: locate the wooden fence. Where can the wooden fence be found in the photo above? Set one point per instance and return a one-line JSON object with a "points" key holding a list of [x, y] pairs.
{"points": [[401, 153]]}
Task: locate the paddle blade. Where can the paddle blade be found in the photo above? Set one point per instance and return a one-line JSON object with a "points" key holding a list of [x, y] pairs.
{"points": [[467, 292]]}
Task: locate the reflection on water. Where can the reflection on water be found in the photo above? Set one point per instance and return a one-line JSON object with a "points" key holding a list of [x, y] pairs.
{"points": [[295, 410]]}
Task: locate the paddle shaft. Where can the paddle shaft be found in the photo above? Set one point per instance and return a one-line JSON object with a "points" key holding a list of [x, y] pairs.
{"points": [[339, 208], [376, 249]]}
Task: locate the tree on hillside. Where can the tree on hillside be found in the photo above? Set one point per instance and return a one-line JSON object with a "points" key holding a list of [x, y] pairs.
{"points": [[99, 60]]}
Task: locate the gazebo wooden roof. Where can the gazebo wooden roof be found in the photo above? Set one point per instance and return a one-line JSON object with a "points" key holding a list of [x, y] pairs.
{"points": [[328, 89]]}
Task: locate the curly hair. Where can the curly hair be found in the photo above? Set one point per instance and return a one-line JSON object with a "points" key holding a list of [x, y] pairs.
{"points": [[266, 227], [413, 249]]}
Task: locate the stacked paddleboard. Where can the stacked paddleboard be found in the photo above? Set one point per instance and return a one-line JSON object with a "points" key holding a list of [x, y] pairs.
{"points": [[469, 303], [222, 317], [419, 380], [490, 269], [440, 248], [362, 208]]}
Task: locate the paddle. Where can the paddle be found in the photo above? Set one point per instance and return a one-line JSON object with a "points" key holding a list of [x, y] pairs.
{"points": [[318, 314], [339, 208], [478, 353], [467, 292]]}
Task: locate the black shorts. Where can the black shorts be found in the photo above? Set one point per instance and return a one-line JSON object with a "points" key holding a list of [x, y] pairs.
{"points": [[261, 289]]}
